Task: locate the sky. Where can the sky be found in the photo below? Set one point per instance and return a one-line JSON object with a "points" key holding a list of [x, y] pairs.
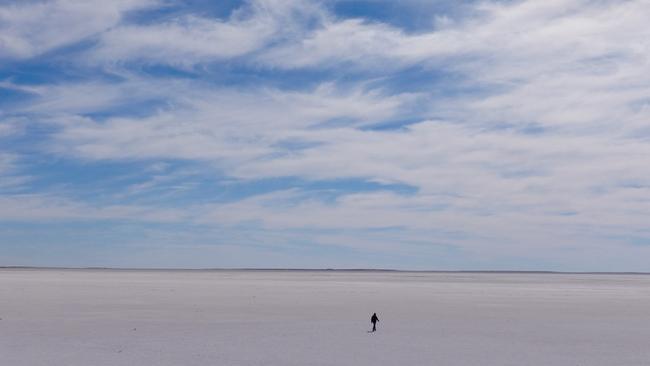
{"points": [[441, 135]]}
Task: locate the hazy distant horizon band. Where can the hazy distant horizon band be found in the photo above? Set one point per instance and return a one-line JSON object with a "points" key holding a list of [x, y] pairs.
{"points": [[342, 270]]}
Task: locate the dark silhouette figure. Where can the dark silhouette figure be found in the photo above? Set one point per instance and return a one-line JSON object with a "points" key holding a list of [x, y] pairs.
{"points": [[374, 321]]}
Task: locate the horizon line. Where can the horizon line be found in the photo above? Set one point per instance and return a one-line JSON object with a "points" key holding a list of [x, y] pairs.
{"points": [[252, 269]]}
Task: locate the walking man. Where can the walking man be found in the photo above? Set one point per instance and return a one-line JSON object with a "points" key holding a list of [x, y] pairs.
{"points": [[374, 321]]}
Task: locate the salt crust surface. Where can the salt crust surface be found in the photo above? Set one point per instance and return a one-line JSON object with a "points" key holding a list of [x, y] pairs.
{"points": [[132, 317]]}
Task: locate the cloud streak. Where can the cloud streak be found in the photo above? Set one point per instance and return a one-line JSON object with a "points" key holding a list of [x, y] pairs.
{"points": [[28, 29], [513, 131]]}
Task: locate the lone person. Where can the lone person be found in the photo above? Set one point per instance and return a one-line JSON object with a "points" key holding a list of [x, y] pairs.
{"points": [[374, 321]]}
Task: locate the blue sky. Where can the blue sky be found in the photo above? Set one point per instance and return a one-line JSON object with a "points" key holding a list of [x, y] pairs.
{"points": [[343, 134]]}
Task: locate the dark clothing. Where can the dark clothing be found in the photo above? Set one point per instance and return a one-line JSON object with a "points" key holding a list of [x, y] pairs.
{"points": [[374, 319]]}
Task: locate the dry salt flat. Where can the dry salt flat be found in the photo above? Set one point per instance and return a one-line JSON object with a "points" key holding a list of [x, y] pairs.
{"points": [[150, 317]]}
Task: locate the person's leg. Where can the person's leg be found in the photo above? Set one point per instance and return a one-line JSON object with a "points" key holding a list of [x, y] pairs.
{"points": [[374, 327]]}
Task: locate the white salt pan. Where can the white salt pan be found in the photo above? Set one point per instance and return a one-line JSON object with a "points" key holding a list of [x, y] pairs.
{"points": [[109, 317]]}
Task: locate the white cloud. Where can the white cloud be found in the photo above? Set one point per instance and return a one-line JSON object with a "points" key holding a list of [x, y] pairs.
{"points": [[487, 173], [47, 207], [10, 126], [29, 29], [7, 162], [10, 176], [546, 154], [224, 125], [62, 99], [531, 35], [190, 39], [364, 221]]}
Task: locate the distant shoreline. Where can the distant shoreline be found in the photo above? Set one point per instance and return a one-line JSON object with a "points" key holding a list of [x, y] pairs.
{"points": [[342, 270]]}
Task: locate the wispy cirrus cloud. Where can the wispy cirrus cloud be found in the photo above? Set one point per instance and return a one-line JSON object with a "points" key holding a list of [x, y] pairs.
{"points": [[49, 208], [187, 40], [28, 29], [508, 131], [224, 125], [11, 177]]}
